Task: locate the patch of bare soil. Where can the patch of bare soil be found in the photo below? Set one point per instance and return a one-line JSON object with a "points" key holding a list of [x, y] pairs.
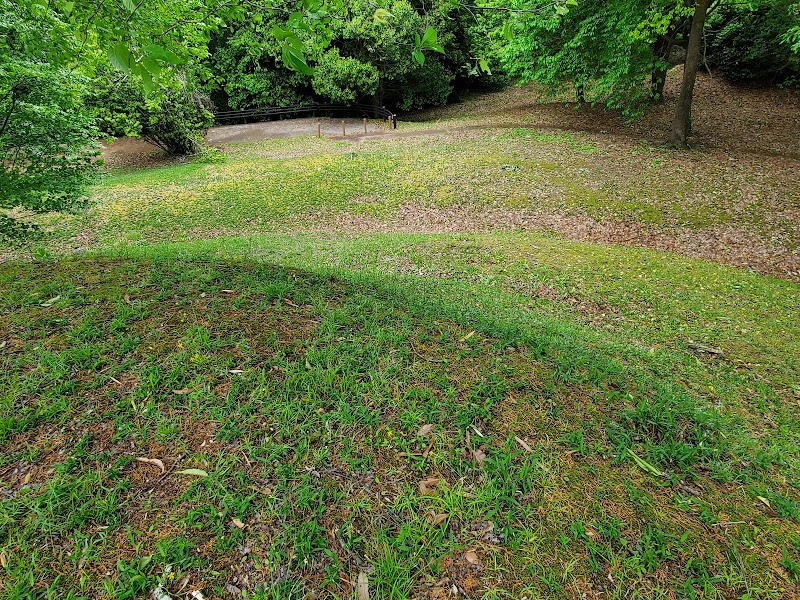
{"points": [[132, 153]]}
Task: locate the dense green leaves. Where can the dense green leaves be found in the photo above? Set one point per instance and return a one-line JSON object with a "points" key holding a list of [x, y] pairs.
{"points": [[344, 79], [397, 55], [175, 120], [745, 43], [171, 118], [604, 51], [120, 57], [156, 52], [47, 137], [47, 143]]}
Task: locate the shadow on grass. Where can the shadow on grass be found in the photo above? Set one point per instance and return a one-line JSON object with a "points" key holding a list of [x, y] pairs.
{"points": [[254, 426]]}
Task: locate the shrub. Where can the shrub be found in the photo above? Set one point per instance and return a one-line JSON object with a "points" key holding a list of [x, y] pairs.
{"points": [[344, 79], [47, 144], [176, 120], [116, 103], [747, 45], [47, 138], [173, 119]]}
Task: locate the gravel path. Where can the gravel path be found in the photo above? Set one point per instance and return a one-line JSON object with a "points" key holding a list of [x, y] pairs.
{"points": [[130, 152], [290, 128]]}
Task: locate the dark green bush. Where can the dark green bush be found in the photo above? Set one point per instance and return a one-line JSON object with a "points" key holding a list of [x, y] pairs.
{"points": [[344, 79], [117, 104], [172, 119], [746, 45], [430, 84], [365, 59], [244, 68], [48, 145], [176, 120]]}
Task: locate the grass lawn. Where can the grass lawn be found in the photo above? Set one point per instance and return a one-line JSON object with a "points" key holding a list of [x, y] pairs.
{"points": [[325, 366]]}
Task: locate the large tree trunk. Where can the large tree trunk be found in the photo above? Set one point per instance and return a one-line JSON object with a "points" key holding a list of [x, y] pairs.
{"points": [[681, 125]]}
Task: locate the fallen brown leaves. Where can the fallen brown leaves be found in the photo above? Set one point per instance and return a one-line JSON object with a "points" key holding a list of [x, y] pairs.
{"points": [[429, 486]]}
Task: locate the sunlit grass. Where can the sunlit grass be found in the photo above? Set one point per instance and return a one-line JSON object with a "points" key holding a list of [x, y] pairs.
{"points": [[503, 414]]}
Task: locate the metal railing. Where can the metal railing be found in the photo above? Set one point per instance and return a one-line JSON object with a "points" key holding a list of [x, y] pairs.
{"points": [[315, 110]]}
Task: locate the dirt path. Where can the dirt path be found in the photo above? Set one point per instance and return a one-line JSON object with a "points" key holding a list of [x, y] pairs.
{"points": [[251, 132], [130, 152]]}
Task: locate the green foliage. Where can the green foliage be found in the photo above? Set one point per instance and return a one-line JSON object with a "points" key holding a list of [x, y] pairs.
{"points": [[171, 118], [401, 55], [344, 79], [47, 137], [390, 48], [482, 48], [245, 69], [146, 40], [116, 103], [792, 37], [604, 51], [608, 52], [746, 43], [432, 84], [175, 119]]}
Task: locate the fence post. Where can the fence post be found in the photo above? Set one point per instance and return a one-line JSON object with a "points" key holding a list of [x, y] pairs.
{"points": [[344, 131], [365, 125], [319, 130]]}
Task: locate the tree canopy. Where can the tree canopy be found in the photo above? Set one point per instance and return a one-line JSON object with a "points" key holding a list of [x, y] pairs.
{"points": [[47, 134]]}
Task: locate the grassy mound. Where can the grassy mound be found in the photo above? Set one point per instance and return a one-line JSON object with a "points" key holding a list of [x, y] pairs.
{"points": [[242, 429]]}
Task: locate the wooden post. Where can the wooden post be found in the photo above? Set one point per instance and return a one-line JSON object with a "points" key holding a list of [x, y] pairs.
{"points": [[319, 130], [365, 125], [344, 131]]}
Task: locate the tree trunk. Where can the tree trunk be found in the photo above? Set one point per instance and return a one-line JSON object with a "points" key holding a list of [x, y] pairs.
{"points": [[658, 77], [657, 81], [580, 93], [681, 125]]}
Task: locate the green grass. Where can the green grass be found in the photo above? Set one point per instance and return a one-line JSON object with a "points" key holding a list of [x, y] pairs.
{"points": [[307, 182], [510, 413], [313, 446]]}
